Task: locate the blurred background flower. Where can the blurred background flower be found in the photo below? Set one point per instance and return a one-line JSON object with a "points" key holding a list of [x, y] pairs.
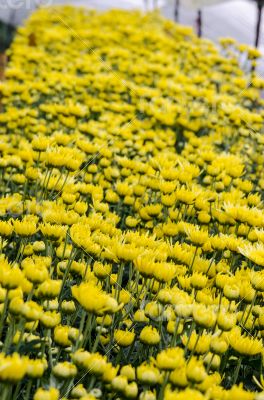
{"points": [[240, 19]]}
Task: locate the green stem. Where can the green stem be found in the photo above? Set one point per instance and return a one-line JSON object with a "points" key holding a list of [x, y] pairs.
{"points": [[15, 396], [189, 338], [87, 336], [195, 253], [177, 323], [66, 273], [19, 252], [64, 183], [28, 389], [98, 337], [45, 189], [21, 326], [3, 315], [163, 386], [119, 281], [250, 309], [237, 370], [92, 382], [81, 330], [48, 332], [195, 345], [66, 391], [210, 363], [5, 395], [9, 335]]}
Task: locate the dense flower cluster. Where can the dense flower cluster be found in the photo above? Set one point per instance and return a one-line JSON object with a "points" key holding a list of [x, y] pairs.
{"points": [[132, 223]]}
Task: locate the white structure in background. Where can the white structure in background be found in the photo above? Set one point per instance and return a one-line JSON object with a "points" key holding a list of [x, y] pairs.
{"points": [[15, 11], [202, 3], [199, 4], [196, 5]]}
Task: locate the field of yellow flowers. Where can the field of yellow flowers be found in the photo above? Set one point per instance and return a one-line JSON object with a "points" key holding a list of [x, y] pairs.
{"points": [[131, 230]]}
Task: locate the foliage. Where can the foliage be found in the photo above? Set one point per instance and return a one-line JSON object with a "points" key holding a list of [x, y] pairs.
{"points": [[6, 35]]}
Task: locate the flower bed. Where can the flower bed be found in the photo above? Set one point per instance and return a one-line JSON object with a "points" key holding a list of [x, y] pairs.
{"points": [[131, 207]]}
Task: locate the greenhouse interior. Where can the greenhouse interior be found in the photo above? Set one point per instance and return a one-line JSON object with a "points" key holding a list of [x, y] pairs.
{"points": [[132, 200]]}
